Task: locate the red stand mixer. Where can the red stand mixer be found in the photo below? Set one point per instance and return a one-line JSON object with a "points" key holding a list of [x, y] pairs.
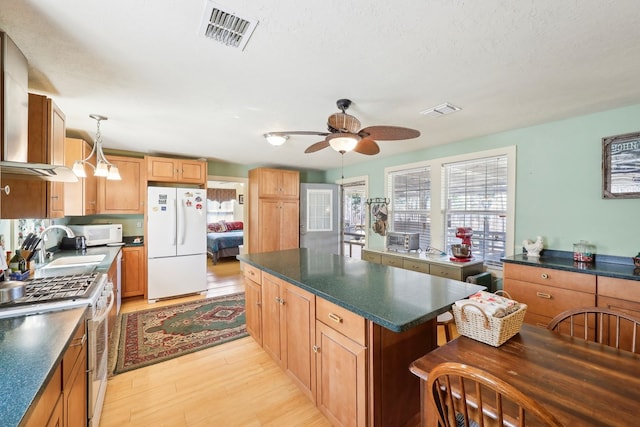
{"points": [[462, 252]]}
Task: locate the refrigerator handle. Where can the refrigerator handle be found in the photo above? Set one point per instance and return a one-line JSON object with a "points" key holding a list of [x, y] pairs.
{"points": [[173, 234], [180, 224]]}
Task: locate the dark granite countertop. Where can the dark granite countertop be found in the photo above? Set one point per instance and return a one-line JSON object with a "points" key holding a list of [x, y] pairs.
{"points": [[603, 265], [394, 298], [30, 349]]}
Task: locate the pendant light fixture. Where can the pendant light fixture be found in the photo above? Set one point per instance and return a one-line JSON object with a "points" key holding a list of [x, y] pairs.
{"points": [[103, 167]]}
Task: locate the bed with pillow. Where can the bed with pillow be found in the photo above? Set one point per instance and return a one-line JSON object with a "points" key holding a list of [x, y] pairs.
{"points": [[224, 239]]}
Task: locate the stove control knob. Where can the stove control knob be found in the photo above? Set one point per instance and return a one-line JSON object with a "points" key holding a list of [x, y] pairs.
{"points": [[108, 287], [101, 303]]}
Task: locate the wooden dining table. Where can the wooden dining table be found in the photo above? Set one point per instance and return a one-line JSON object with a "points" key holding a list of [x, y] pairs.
{"points": [[581, 383]]}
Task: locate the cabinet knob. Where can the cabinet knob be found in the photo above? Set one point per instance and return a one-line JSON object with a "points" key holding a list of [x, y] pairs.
{"points": [[279, 300], [316, 348], [6, 189], [544, 276]]}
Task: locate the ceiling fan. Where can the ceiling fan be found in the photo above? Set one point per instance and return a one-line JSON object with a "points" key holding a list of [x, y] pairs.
{"points": [[344, 134]]}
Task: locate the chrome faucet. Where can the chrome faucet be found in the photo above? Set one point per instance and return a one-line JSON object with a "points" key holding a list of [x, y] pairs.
{"points": [[44, 254]]}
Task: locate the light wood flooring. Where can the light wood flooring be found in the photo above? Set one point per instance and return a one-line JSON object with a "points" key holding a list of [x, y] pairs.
{"points": [[233, 384]]}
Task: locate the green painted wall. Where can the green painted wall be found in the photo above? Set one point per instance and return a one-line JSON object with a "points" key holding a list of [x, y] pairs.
{"points": [[559, 181], [242, 171]]}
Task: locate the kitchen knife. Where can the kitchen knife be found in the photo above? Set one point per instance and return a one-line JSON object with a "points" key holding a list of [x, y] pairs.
{"points": [[34, 243]]}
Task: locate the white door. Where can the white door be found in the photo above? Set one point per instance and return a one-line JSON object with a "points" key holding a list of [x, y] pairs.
{"points": [[319, 217], [191, 221], [161, 225]]}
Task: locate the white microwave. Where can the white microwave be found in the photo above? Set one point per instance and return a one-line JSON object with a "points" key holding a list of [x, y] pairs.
{"points": [[99, 234]]}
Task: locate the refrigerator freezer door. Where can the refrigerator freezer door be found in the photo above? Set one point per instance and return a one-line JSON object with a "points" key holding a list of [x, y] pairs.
{"points": [[161, 222], [191, 221], [174, 276]]}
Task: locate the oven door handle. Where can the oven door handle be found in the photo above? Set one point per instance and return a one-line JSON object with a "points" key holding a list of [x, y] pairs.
{"points": [[105, 313]]}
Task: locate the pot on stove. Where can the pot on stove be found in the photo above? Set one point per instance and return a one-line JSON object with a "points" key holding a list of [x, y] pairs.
{"points": [[11, 290]]}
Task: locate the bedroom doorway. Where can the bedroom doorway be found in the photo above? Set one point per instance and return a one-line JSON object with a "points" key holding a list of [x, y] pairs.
{"points": [[226, 213]]}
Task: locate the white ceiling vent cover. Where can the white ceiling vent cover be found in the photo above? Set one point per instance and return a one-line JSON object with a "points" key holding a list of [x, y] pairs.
{"points": [[226, 27], [441, 110]]}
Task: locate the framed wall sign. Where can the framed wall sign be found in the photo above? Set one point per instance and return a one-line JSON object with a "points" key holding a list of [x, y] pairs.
{"points": [[621, 166]]}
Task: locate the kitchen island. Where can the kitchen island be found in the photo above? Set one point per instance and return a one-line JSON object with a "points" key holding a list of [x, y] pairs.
{"points": [[346, 330]]}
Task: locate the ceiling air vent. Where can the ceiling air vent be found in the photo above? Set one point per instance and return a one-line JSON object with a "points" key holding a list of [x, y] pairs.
{"points": [[226, 27], [441, 110]]}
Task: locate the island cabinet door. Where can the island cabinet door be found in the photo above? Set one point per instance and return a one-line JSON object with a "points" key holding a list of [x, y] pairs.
{"points": [[272, 307], [298, 331], [341, 366], [253, 300]]}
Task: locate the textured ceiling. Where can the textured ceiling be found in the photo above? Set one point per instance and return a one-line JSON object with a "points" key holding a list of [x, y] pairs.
{"points": [[167, 89]]}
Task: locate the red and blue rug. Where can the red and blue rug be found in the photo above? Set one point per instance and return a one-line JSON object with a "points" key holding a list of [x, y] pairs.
{"points": [[159, 334]]}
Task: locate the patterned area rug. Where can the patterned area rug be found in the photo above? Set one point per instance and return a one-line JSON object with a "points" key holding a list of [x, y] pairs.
{"points": [[159, 334]]}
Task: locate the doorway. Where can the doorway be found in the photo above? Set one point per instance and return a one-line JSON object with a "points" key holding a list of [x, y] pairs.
{"points": [[354, 216]]}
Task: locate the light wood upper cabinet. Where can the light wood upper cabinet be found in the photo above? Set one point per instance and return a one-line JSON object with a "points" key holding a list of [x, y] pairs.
{"points": [[80, 198], [126, 196], [39, 199], [165, 169], [278, 183]]}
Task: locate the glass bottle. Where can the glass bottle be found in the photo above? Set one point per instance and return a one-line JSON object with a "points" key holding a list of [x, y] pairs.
{"points": [[14, 262]]}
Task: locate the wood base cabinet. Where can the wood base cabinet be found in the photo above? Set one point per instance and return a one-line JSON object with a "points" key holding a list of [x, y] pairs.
{"points": [[64, 400], [253, 301], [548, 292], [288, 330], [624, 296], [134, 277], [354, 370]]}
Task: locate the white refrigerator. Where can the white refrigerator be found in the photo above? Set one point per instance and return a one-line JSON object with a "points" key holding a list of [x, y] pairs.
{"points": [[176, 242]]}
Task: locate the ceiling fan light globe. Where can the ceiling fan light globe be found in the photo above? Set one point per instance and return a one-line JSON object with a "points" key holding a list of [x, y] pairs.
{"points": [[275, 140], [343, 142]]}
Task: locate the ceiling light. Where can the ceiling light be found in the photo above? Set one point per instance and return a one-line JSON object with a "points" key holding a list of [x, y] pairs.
{"points": [[441, 110], [343, 142], [275, 139], [103, 167]]}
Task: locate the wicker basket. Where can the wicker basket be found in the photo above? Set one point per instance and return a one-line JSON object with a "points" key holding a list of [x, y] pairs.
{"points": [[473, 322]]}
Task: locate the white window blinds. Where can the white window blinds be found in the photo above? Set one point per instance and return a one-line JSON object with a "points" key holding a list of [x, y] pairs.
{"points": [[410, 195], [475, 195]]}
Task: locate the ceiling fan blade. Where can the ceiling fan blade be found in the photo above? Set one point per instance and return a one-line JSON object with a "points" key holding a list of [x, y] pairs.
{"points": [[389, 133], [316, 147], [367, 146]]}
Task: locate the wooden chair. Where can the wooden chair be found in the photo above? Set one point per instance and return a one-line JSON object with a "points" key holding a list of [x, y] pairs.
{"points": [[604, 326], [467, 396]]}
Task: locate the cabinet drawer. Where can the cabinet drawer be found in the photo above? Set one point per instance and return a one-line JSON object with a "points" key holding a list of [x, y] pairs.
{"points": [[393, 261], [76, 346], [547, 300], [619, 288], [623, 305], [371, 257], [342, 320], [551, 277], [252, 273], [448, 272], [410, 264]]}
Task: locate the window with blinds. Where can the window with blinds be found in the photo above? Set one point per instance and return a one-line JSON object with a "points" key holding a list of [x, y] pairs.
{"points": [[475, 195], [410, 194]]}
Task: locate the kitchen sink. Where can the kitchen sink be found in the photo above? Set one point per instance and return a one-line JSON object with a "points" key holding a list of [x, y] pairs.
{"points": [[74, 261]]}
